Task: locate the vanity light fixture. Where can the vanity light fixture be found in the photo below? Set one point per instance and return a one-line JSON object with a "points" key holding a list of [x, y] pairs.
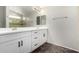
{"points": [[16, 17], [39, 9]]}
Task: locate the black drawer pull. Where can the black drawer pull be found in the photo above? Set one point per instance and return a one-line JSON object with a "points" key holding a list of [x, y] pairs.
{"points": [[35, 37], [35, 32], [35, 44]]}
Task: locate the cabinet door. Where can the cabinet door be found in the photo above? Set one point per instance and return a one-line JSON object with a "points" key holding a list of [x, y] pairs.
{"points": [[9, 47], [25, 45], [43, 36]]}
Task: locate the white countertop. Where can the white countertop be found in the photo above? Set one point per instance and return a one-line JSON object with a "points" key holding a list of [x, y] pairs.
{"points": [[9, 30]]}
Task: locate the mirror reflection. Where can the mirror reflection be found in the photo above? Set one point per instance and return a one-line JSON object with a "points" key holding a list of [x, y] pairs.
{"points": [[41, 20], [22, 16]]}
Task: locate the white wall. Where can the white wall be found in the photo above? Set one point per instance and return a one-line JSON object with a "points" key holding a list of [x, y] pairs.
{"points": [[63, 32]]}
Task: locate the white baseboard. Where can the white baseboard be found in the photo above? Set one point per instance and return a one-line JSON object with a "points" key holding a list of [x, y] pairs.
{"points": [[63, 46]]}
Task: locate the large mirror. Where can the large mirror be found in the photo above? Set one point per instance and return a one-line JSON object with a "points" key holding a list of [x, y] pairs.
{"points": [[22, 16]]}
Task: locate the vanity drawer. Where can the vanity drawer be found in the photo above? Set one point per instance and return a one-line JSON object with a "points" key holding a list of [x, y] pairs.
{"points": [[11, 36], [34, 38], [35, 45], [35, 33]]}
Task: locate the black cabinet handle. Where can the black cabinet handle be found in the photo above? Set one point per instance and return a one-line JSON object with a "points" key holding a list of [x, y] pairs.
{"points": [[21, 43], [44, 35], [18, 43]]}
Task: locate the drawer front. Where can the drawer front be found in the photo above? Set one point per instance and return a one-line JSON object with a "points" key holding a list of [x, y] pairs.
{"points": [[35, 45], [35, 33], [35, 36], [14, 36]]}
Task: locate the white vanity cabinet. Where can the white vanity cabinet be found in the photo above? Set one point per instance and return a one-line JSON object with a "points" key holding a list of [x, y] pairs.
{"points": [[15, 42], [22, 41], [39, 37]]}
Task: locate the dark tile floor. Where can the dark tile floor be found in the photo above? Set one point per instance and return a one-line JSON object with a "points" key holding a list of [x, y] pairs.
{"points": [[50, 48]]}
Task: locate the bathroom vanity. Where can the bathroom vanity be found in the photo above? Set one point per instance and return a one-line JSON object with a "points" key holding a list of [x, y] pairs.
{"points": [[22, 40], [19, 29]]}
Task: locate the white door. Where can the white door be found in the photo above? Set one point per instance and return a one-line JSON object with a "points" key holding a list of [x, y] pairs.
{"points": [[10, 47], [60, 27]]}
